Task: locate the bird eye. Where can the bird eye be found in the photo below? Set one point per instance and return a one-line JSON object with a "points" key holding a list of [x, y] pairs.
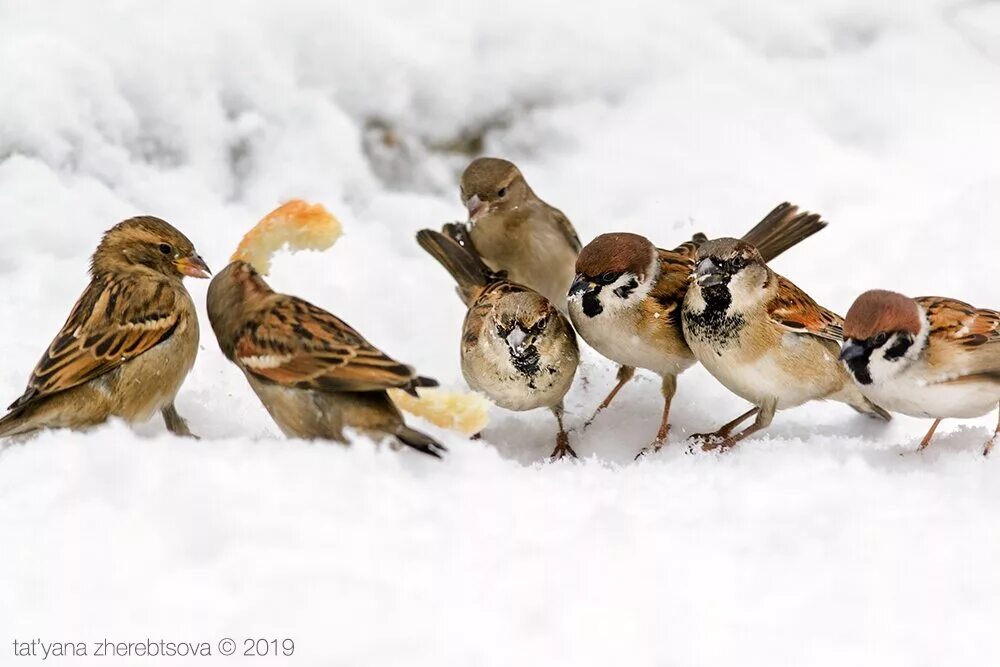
{"points": [[608, 277], [502, 192], [166, 249], [880, 339]]}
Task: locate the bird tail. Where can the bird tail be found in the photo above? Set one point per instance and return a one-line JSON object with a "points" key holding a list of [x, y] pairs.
{"points": [[16, 422], [853, 397], [419, 381], [455, 252], [420, 441], [782, 228]]}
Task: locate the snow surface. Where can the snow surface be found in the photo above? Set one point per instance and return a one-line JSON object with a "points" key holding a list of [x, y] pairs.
{"points": [[825, 541]]}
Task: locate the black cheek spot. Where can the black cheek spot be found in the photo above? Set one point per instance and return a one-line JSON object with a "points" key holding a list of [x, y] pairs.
{"points": [[591, 304], [626, 290], [859, 367], [898, 349]]}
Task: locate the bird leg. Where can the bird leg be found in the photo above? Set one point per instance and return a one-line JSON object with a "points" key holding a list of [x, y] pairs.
{"points": [[562, 438], [668, 389], [927, 438], [723, 439], [625, 373], [726, 429], [174, 422], [996, 436]]}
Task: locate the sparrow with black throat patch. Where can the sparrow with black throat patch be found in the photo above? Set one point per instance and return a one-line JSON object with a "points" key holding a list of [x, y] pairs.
{"points": [[763, 338], [926, 357], [517, 348], [128, 343], [314, 374], [626, 299], [513, 230]]}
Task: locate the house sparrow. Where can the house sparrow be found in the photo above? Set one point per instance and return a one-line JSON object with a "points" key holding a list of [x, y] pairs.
{"points": [[626, 299], [515, 231], [763, 338], [517, 348], [129, 342], [313, 373], [924, 357]]}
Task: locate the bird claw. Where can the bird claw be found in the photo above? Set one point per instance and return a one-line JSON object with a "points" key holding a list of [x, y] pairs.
{"points": [[562, 451], [711, 441], [649, 449]]}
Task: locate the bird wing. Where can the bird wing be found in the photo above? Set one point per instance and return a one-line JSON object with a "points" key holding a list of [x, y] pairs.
{"points": [[115, 320], [794, 310], [676, 268], [966, 325], [566, 228], [294, 343], [959, 329]]}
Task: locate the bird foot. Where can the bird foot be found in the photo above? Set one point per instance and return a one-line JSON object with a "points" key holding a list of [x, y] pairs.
{"points": [[989, 444], [651, 448], [590, 421], [712, 441], [562, 449]]}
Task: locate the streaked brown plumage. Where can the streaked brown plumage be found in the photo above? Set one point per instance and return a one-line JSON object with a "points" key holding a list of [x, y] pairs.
{"points": [[128, 343], [314, 374], [926, 357], [516, 347], [627, 297], [763, 338], [513, 230]]}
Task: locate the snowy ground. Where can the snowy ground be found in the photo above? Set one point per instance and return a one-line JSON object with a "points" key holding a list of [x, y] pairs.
{"points": [[826, 541]]}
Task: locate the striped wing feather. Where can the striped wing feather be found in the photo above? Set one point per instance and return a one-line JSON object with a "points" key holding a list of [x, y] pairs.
{"points": [[114, 321], [294, 343]]}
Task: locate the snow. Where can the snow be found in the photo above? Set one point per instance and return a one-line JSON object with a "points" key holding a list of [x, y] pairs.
{"points": [[824, 541]]}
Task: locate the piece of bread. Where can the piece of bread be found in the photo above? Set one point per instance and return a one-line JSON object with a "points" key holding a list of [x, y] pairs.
{"points": [[297, 224], [466, 413]]}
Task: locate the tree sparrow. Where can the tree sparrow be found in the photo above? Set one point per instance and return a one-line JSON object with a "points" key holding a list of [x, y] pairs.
{"points": [[925, 357], [314, 374], [517, 348], [763, 338], [626, 299], [129, 342], [515, 231]]}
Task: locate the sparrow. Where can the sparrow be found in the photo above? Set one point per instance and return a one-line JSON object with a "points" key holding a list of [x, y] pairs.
{"points": [[129, 341], [626, 299], [763, 338], [517, 348], [314, 374], [925, 357], [515, 231]]}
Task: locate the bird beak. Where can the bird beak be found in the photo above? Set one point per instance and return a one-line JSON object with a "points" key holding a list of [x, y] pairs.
{"points": [[475, 206], [851, 350], [580, 284], [194, 266], [708, 273]]}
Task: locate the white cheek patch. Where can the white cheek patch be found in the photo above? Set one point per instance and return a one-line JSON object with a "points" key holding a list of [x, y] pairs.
{"points": [[745, 288]]}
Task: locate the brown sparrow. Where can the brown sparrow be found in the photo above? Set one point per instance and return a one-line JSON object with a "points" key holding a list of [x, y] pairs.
{"points": [[517, 348], [626, 299], [313, 373], [763, 338], [515, 231], [129, 342], [925, 357]]}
